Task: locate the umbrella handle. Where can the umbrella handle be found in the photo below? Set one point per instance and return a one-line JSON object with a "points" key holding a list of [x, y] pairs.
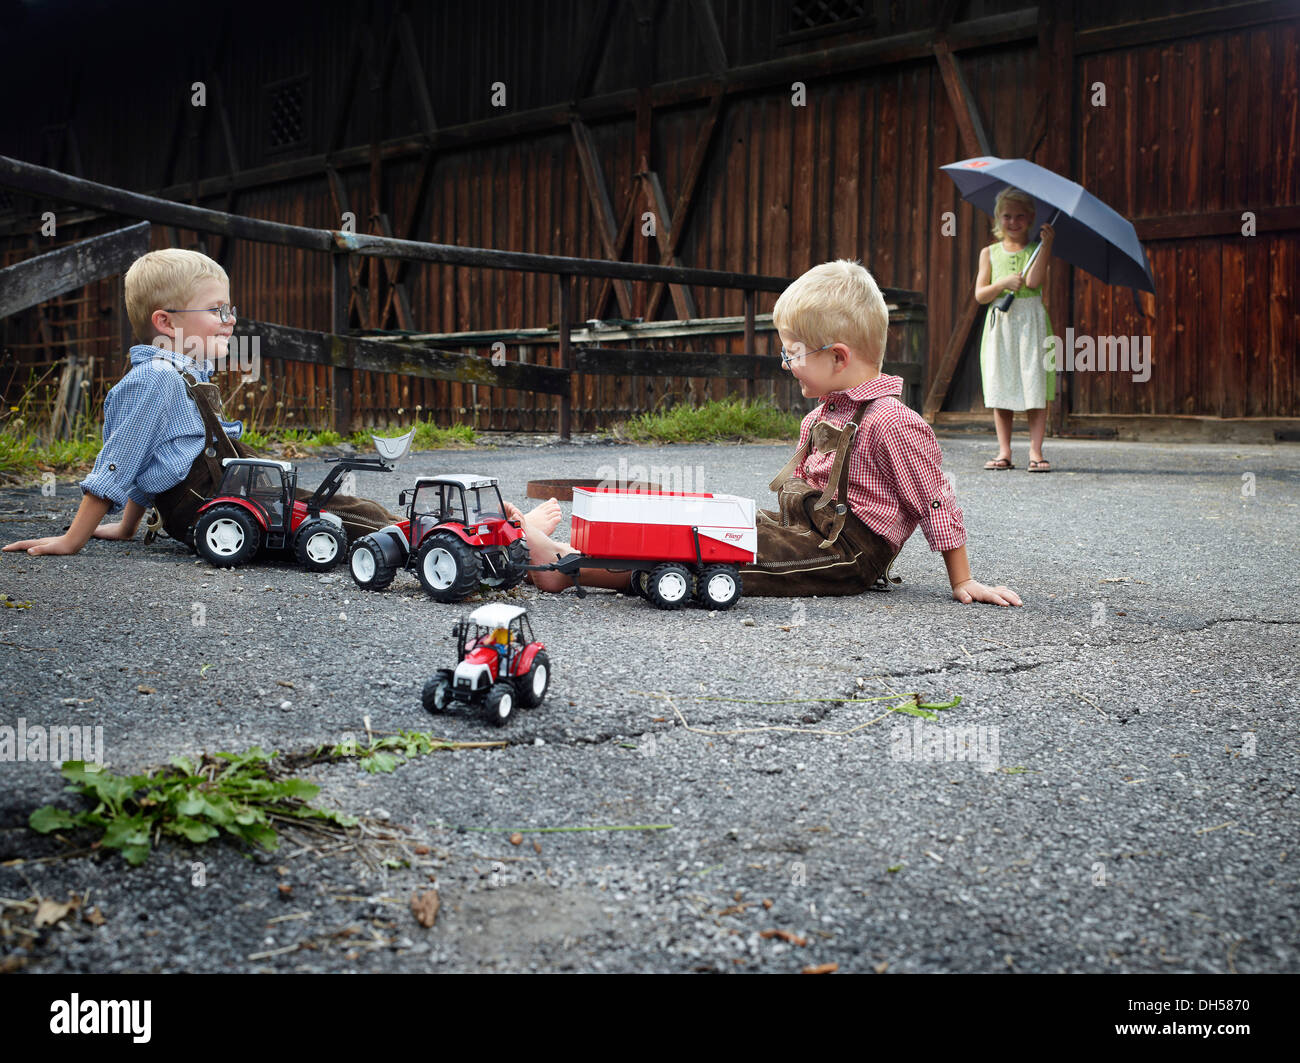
{"points": [[1004, 302]]}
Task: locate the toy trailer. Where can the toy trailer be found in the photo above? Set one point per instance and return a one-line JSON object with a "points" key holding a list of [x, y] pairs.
{"points": [[677, 545]]}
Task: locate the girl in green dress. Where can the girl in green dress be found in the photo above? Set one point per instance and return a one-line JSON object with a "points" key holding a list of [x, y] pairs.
{"points": [[1013, 344]]}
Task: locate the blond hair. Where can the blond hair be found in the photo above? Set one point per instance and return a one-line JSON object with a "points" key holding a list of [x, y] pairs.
{"points": [[163, 279], [1012, 195], [836, 302]]}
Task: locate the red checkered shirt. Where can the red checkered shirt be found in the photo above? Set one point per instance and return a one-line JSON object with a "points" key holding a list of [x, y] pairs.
{"points": [[895, 482]]}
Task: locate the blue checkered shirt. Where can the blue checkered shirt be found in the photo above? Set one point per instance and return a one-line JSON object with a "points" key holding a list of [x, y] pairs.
{"points": [[152, 429]]}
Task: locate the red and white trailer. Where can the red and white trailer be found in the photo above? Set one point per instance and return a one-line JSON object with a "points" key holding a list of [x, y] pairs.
{"points": [[677, 545]]}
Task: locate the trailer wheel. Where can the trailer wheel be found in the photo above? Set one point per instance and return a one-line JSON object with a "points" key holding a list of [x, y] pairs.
{"points": [[227, 536], [533, 683], [669, 586], [501, 703], [320, 545], [719, 587], [448, 567], [368, 565], [437, 694], [641, 583]]}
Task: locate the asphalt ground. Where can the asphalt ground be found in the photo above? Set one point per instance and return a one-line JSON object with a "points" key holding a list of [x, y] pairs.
{"points": [[1114, 792]]}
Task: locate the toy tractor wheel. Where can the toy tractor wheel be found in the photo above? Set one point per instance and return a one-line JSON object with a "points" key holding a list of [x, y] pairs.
{"points": [[368, 565], [320, 545], [719, 587], [533, 683], [437, 694], [227, 536], [640, 583], [669, 586], [501, 703], [448, 567], [516, 567]]}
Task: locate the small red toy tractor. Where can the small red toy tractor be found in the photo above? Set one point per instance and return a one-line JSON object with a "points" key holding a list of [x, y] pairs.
{"points": [[502, 666], [456, 536], [257, 507]]}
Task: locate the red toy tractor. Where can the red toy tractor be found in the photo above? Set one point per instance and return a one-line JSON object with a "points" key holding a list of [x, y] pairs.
{"points": [[255, 507], [456, 536], [502, 665]]}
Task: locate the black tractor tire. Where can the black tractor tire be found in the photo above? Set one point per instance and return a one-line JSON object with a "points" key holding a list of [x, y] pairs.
{"points": [[449, 568], [501, 703], [516, 567], [669, 586], [375, 568], [311, 546], [534, 683], [719, 587], [437, 694], [227, 536]]}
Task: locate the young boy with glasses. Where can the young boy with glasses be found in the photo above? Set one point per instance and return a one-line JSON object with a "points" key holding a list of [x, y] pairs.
{"points": [[866, 473], [164, 435]]}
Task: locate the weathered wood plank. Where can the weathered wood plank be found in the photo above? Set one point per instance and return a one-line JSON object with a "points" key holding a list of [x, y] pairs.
{"points": [[350, 353], [66, 269], [610, 361]]}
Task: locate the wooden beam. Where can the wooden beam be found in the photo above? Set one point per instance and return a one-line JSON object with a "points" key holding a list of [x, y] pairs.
{"points": [[974, 139], [686, 197], [620, 242], [592, 51], [597, 191], [340, 311], [621, 361], [713, 46], [906, 47], [665, 235], [27, 177], [566, 356], [348, 353], [1057, 87], [1221, 19], [358, 296], [1216, 223], [950, 357], [39, 279]]}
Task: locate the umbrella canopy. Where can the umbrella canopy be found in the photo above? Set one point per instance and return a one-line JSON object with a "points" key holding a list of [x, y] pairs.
{"points": [[1089, 234]]}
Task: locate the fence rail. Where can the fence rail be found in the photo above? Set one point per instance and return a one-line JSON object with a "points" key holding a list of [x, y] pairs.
{"points": [[345, 352]]}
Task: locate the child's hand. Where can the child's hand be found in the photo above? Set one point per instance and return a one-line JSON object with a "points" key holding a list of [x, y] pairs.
{"points": [[113, 531], [1046, 235], [974, 591], [54, 544], [1012, 282]]}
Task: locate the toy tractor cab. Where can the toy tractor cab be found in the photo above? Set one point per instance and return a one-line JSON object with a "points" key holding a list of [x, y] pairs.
{"points": [[456, 536], [257, 507], [501, 666]]}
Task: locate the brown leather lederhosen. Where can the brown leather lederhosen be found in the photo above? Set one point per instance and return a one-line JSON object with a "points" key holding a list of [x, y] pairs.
{"points": [[178, 506], [814, 543]]}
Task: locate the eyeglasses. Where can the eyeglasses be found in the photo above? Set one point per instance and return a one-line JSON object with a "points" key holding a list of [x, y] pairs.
{"points": [[787, 358], [225, 311]]}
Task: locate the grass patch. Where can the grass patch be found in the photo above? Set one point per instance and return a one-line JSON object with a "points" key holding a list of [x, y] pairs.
{"points": [[24, 454], [231, 792], [241, 795], [722, 420]]}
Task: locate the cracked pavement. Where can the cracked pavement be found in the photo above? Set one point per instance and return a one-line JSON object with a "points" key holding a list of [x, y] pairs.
{"points": [[1115, 791]]}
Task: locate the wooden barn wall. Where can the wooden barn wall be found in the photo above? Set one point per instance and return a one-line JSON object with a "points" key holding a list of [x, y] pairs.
{"points": [[1203, 125], [853, 174]]}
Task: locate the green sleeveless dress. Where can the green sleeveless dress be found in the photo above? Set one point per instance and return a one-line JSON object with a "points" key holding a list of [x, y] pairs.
{"points": [[1013, 347]]}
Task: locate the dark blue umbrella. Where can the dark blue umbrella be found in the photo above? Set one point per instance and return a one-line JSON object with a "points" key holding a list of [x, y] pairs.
{"points": [[1089, 234]]}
